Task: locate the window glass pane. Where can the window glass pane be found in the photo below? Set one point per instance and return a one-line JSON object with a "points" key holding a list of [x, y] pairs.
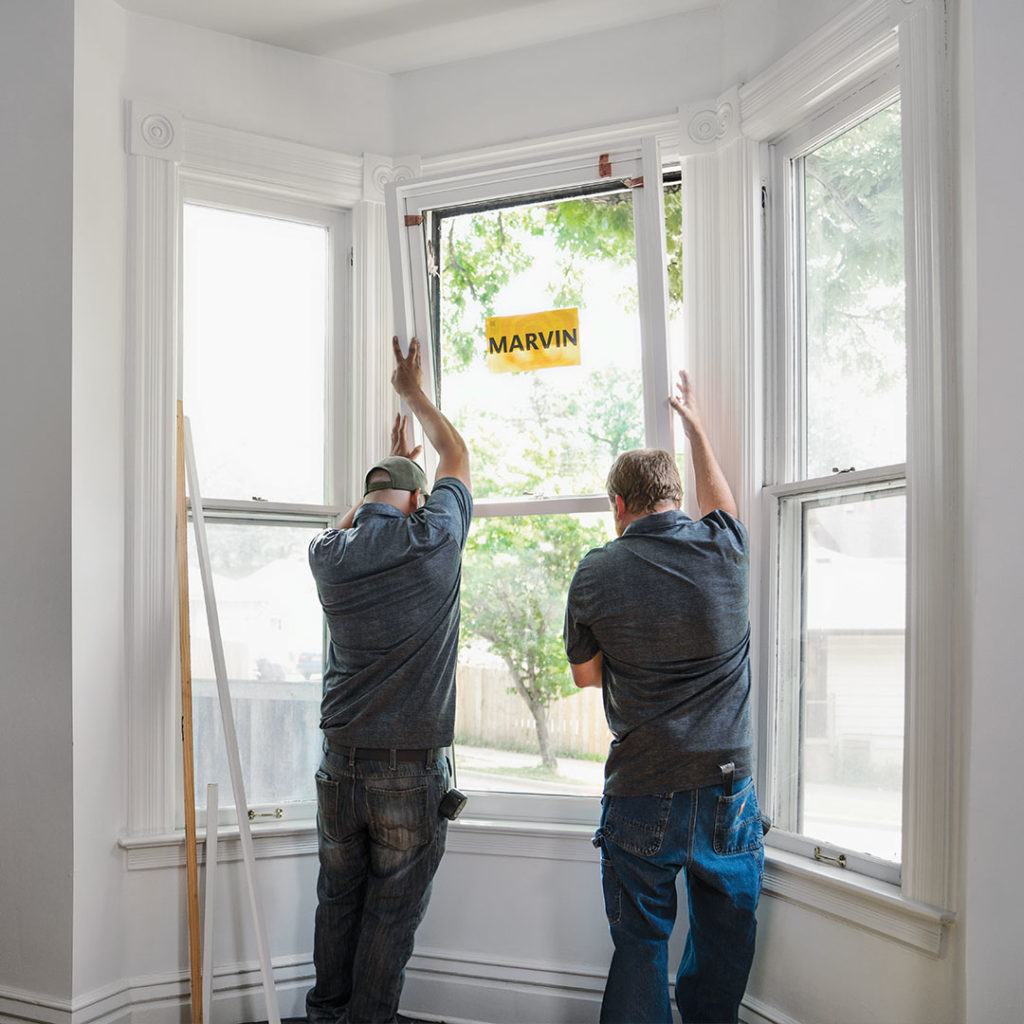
{"points": [[255, 299], [521, 723], [550, 431], [855, 305], [852, 677], [272, 630]]}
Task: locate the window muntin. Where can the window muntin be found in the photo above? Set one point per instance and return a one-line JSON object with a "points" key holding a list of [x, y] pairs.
{"points": [[261, 296]]}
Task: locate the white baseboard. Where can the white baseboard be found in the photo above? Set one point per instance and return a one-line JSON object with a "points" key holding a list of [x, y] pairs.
{"points": [[463, 988], [164, 999], [17, 1006], [454, 987], [753, 1011]]}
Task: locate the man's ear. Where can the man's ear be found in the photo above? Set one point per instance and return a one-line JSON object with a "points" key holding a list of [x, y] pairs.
{"points": [[620, 506]]}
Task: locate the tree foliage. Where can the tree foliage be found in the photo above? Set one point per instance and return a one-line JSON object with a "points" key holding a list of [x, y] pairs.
{"points": [[515, 576]]}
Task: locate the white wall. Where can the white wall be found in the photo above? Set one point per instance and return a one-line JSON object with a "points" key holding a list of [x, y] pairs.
{"points": [[97, 504], [994, 212], [36, 40], [602, 78], [605, 78], [222, 80]]}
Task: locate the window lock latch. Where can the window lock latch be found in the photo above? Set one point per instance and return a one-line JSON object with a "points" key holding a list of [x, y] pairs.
{"points": [[840, 860], [277, 812]]}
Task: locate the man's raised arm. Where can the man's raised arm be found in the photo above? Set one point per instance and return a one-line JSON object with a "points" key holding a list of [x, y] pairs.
{"points": [[407, 380], [713, 489]]}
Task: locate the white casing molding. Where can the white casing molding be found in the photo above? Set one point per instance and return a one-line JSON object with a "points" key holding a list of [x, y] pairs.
{"points": [[704, 125], [165, 150], [726, 351], [150, 587], [853, 48], [551, 148], [286, 169], [937, 583], [722, 232]]}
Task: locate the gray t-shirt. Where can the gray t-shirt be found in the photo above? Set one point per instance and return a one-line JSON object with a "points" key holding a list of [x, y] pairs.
{"points": [[666, 603], [389, 587]]}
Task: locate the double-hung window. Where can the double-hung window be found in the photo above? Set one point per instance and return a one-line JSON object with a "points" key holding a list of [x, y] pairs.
{"points": [[585, 235], [263, 306], [836, 457]]}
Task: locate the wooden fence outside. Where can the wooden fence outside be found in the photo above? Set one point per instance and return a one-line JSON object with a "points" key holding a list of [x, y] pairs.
{"points": [[488, 714]]}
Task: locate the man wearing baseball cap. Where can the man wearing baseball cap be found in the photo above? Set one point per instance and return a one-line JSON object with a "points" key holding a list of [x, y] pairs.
{"points": [[388, 579]]}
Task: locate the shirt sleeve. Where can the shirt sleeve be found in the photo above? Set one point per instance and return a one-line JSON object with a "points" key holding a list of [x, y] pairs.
{"points": [[580, 644], [449, 507], [723, 521], [322, 546]]}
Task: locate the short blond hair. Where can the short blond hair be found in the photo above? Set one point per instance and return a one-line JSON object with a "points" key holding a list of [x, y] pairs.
{"points": [[644, 478]]}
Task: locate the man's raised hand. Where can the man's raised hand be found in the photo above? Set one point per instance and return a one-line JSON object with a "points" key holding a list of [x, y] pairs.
{"points": [[408, 374], [400, 438], [685, 404]]}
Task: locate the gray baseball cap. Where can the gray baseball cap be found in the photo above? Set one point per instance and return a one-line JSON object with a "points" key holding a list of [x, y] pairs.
{"points": [[403, 475]]}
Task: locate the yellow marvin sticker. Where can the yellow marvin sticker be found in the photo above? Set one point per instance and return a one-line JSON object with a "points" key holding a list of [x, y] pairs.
{"points": [[533, 341]]}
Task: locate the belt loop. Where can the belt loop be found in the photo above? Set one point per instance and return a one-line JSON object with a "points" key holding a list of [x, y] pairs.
{"points": [[351, 757], [394, 758]]}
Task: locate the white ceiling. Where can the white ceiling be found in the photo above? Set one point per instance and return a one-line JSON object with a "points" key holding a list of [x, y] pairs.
{"points": [[402, 35]]}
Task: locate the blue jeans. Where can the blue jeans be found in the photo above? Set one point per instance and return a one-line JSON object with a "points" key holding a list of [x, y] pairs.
{"points": [[718, 842], [381, 839]]}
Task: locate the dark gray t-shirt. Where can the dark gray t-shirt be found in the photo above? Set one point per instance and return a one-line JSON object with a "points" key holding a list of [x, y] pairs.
{"points": [[666, 603], [389, 587]]}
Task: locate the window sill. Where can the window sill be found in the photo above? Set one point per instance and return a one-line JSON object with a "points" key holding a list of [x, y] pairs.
{"points": [[473, 836], [269, 839], [865, 902]]}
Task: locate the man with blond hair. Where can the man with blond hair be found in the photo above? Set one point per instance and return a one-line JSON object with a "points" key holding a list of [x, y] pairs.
{"points": [[658, 618]]}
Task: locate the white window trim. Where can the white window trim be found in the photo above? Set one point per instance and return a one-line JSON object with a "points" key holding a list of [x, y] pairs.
{"points": [[165, 150], [722, 193]]}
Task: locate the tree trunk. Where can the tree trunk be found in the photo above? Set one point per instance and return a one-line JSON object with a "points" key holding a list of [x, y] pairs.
{"points": [[540, 721], [547, 750]]}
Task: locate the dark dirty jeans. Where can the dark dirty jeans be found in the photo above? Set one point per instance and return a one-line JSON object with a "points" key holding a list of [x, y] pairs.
{"points": [[381, 839], [718, 842]]}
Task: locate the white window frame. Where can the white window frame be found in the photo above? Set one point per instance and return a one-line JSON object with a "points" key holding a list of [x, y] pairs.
{"points": [[726, 195], [170, 156], [639, 158], [559, 168], [215, 193], [784, 442]]}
